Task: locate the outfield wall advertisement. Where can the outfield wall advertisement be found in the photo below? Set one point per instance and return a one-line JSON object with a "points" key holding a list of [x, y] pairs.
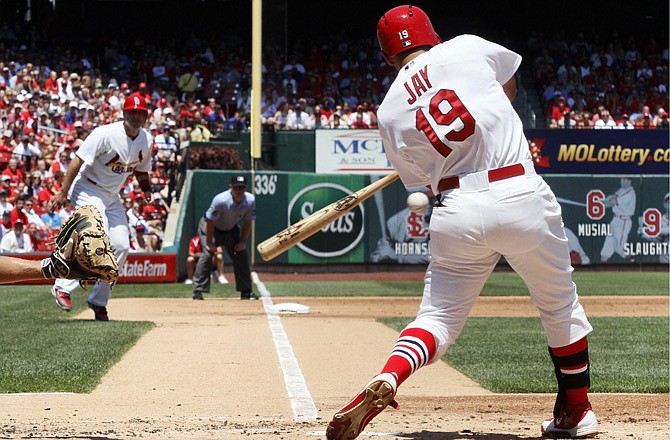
{"points": [[554, 151], [350, 152], [600, 151], [609, 219]]}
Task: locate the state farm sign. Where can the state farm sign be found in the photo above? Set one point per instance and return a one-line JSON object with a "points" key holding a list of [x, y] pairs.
{"points": [[149, 268]]}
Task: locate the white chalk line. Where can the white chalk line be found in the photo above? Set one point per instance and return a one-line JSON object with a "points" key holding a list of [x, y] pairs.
{"points": [[299, 396]]}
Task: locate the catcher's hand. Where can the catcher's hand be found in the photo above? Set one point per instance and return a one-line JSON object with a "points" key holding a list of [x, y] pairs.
{"points": [[82, 248]]}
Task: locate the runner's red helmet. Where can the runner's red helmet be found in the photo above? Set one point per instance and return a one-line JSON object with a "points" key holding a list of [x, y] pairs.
{"points": [[135, 101], [403, 28]]}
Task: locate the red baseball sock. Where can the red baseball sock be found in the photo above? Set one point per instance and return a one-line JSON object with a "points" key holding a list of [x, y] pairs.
{"points": [[414, 348]]}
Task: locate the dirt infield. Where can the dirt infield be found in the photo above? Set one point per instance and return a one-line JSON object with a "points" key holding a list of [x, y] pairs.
{"points": [[213, 369]]}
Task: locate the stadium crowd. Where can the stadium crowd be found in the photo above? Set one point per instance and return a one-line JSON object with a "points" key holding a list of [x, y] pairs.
{"points": [[51, 99], [592, 81]]}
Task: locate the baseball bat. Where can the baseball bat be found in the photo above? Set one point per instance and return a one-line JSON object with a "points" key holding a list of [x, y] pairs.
{"points": [[570, 202], [308, 226]]}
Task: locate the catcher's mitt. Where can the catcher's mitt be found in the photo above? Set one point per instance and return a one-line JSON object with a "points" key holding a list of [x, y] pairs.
{"points": [[82, 248]]}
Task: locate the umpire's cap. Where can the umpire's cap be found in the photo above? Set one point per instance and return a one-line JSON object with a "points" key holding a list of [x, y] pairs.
{"points": [[238, 181], [135, 101]]}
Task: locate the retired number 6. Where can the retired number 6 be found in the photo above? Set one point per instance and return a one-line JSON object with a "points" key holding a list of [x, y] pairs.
{"points": [[457, 111]]}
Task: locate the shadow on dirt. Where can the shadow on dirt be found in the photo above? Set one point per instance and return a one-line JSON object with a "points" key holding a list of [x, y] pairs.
{"points": [[463, 435]]}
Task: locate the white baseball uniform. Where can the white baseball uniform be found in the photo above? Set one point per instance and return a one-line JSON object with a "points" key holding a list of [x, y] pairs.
{"points": [[110, 156], [447, 122]]}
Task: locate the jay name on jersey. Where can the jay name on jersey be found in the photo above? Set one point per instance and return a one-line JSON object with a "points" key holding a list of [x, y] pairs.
{"points": [[420, 84]]}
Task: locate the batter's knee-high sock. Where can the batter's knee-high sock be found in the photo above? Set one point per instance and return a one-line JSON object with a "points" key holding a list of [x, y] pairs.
{"points": [[571, 365], [414, 348]]}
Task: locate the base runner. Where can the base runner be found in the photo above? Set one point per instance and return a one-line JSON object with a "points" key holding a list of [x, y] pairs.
{"points": [[100, 168]]}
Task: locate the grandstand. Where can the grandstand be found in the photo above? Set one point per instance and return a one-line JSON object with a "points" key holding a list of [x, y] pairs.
{"points": [[58, 82]]}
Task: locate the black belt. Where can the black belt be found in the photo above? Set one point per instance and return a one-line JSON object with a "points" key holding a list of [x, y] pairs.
{"points": [[92, 181]]}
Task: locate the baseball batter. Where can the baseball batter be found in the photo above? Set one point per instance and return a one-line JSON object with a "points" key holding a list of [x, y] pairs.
{"points": [[447, 121], [622, 203], [102, 165]]}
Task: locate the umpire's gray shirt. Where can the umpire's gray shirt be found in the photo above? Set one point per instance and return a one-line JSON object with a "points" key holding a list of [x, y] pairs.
{"points": [[225, 213]]}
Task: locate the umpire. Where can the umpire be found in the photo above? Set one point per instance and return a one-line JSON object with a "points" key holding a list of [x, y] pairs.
{"points": [[219, 227]]}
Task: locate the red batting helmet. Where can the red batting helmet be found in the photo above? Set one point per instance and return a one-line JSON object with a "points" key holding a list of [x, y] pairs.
{"points": [[135, 101], [403, 28]]}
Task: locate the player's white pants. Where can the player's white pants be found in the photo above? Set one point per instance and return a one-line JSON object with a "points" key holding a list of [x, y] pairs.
{"points": [[116, 225], [518, 218]]}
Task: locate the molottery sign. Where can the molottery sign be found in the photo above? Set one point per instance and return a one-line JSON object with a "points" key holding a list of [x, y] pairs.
{"points": [[555, 151], [561, 151]]}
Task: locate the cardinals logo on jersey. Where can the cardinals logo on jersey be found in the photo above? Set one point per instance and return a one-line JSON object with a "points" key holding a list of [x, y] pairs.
{"points": [[415, 226], [119, 167]]}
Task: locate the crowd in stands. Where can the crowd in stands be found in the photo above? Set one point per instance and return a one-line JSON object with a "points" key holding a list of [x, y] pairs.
{"points": [[602, 82], [51, 99]]}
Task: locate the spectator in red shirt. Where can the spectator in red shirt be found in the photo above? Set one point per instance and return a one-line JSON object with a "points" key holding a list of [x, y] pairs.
{"points": [[47, 192], [156, 212], [37, 238], [6, 145], [63, 161], [645, 122], [136, 194], [359, 122], [560, 109], [59, 176], [142, 89], [17, 212], [5, 184], [194, 254], [51, 85], [15, 174]]}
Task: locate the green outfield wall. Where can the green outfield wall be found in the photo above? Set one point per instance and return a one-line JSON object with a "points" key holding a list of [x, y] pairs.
{"points": [[382, 230]]}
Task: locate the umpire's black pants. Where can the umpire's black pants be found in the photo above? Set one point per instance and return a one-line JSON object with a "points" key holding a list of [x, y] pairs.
{"points": [[203, 270]]}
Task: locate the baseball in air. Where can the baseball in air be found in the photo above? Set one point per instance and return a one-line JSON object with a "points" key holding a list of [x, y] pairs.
{"points": [[417, 202]]}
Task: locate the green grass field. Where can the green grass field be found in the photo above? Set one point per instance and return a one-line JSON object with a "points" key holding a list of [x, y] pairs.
{"points": [[510, 355], [44, 349], [500, 284]]}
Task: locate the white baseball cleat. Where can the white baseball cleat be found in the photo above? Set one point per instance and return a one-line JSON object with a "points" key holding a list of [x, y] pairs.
{"points": [[352, 418], [575, 421]]}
